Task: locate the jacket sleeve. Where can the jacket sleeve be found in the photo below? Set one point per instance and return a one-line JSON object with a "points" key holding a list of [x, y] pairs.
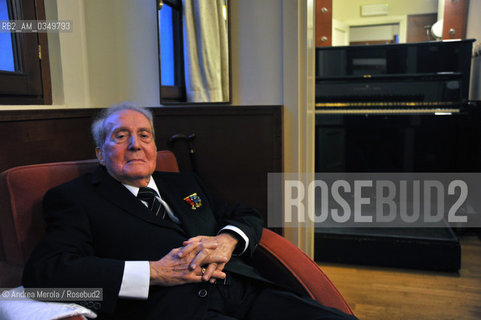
{"points": [[65, 256]]}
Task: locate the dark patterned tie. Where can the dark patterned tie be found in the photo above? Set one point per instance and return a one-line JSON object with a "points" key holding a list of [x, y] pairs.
{"points": [[150, 196]]}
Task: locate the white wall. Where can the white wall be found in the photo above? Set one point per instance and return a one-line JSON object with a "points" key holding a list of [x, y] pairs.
{"points": [[351, 9], [104, 60], [370, 33], [340, 33], [256, 52], [474, 21], [121, 65]]}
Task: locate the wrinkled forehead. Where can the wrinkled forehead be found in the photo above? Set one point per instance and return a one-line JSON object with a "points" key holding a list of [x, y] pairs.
{"points": [[126, 119]]}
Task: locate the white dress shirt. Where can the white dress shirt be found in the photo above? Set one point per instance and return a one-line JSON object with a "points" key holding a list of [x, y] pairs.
{"points": [[136, 277]]}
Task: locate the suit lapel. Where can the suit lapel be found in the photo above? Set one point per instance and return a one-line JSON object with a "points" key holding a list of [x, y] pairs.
{"points": [[114, 192], [195, 222]]}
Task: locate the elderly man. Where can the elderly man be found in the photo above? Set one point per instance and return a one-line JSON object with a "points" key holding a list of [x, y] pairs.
{"points": [[158, 244]]}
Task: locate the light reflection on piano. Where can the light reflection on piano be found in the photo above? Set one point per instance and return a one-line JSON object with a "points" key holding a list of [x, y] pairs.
{"points": [[425, 77]]}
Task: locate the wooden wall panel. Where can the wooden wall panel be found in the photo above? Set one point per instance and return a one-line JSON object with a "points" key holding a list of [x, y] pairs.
{"points": [[30, 137], [417, 24], [323, 23], [235, 146], [455, 19]]}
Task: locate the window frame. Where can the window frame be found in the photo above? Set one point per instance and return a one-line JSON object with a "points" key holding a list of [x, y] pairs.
{"points": [[175, 93], [31, 83]]}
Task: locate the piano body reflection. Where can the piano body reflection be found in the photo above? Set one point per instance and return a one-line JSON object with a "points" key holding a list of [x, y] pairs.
{"points": [[407, 77], [378, 109]]}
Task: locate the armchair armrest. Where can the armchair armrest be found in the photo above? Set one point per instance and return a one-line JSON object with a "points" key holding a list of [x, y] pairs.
{"points": [[285, 264]]}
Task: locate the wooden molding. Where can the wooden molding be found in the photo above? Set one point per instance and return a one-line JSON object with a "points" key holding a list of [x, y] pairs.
{"points": [[323, 23], [455, 19]]}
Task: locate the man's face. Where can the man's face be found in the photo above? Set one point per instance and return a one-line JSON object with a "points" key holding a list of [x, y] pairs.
{"points": [[129, 152]]}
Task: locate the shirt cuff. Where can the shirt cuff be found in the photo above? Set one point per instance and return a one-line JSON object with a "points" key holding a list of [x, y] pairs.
{"points": [[241, 234], [136, 280]]}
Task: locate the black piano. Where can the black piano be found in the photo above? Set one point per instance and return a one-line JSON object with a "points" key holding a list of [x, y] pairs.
{"points": [[395, 108]]}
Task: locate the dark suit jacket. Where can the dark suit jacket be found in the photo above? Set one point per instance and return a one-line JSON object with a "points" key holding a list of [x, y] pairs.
{"points": [[94, 224]]}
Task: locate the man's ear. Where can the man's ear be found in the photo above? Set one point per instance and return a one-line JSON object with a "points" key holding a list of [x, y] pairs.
{"points": [[99, 154]]}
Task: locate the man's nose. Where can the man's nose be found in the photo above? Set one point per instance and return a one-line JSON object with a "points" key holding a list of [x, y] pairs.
{"points": [[134, 143]]}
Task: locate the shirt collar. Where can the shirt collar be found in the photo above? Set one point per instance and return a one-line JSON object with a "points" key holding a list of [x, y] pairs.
{"points": [[135, 190]]}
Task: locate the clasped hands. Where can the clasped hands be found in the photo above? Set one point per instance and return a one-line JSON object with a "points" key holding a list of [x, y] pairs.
{"points": [[201, 258]]}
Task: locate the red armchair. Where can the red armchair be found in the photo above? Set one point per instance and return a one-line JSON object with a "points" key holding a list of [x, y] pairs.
{"points": [[21, 226]]}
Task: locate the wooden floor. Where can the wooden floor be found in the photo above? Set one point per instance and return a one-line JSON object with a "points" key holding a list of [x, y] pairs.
{"points": [[395, 294]]}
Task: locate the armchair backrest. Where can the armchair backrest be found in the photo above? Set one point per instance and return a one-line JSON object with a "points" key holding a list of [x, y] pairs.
{"points": [[21, 193]]}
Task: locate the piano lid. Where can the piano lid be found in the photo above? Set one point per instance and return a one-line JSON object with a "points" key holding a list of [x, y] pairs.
{"points": [[419, 75]]}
